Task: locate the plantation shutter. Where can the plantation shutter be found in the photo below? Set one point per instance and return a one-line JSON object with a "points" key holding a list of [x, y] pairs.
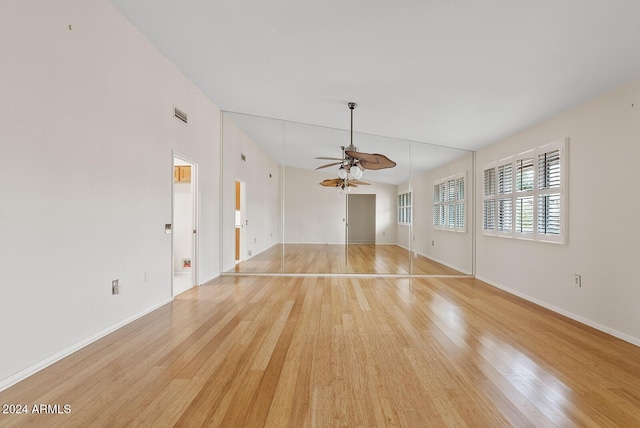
{"points": [[549, 195], [489, 203], [505, 197]]}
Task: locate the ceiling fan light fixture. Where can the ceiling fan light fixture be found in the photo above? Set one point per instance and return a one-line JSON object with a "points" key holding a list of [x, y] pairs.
{"points": [[356, 171], [342, 173], [345, 189]]}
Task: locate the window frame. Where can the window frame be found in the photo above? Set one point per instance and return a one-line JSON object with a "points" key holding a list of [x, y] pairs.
{"points": [[404, 208], [445, 202], [515, 193]]}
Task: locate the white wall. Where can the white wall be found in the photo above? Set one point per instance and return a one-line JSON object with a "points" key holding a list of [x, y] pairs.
{"points": [[603, 227], [263, 185], [86, 118], [315, 214]]}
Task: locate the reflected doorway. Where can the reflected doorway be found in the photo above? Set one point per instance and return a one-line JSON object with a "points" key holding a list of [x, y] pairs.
{"points": [[361, 219], [240, 223]]}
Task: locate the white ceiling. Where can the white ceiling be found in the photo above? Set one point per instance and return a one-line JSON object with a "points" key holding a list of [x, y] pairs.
{"points": [[460, 73]]}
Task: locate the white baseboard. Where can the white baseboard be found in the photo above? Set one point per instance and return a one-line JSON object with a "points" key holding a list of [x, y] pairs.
{"points": [[313, 243], [261, 251], [580, 319], [23, 374], [211, 278], [338, 243], [436, 260], [446, 264]]}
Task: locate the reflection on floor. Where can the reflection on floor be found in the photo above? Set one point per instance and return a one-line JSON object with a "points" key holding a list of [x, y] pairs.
{"points": [[181, 283], [354, 258]]}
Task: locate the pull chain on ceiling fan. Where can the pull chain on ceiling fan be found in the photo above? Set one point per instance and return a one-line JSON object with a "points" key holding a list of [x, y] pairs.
{"points": [[353, 163]]}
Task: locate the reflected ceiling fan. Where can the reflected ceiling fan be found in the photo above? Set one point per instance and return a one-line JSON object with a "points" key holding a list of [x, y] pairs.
{"points": [[353, 163], [342, 182]]}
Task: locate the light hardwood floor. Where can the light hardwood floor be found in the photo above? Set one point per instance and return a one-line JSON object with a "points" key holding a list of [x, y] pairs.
{"points": [[340, 259], [342, 352]]}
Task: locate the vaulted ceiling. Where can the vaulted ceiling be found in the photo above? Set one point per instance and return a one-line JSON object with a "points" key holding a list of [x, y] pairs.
{"points": [[455, 73]]}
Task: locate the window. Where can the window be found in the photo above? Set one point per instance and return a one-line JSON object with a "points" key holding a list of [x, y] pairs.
{"points": [[404, 208], [524, 195], [449, 198]]}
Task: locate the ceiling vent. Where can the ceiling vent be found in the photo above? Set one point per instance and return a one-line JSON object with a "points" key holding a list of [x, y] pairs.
{"points": [[180, 115]]}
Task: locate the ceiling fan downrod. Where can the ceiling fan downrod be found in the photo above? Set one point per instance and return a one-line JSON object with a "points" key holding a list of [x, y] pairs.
{"points": [[351, 107]]}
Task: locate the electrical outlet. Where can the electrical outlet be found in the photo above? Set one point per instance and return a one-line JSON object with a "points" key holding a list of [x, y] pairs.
{"points": [[250, 252], [577, 280], [115, 286]]}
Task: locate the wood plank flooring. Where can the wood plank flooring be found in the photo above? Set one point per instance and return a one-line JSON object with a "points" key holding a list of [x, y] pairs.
{"points": [[338, 259], [342, 352]]}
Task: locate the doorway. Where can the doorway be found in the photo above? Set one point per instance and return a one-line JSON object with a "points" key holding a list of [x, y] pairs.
{"points": [[240, 222], [361, 219], [183, 264]]}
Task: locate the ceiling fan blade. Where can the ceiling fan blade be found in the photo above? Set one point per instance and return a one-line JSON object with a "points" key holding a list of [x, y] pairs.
{"points": [[326, 158], [382, 163], [366, 157], [337, 182], [328, 165], [331, 182], [361, 183]]}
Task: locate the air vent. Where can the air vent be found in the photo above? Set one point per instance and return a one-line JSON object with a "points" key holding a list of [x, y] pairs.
{"points": [[179, 114]]}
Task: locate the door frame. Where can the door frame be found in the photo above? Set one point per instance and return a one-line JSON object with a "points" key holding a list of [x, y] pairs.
{"points": [[241, 232], [195, 201]]}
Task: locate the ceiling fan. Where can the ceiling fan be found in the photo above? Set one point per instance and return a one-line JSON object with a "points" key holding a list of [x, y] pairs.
{"points": [[342, 182], [354, 163]]}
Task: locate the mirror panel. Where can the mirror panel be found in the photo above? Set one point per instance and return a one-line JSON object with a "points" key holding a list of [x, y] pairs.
{"points": [[376, 242], [443, 247], [252, 183], [314, 215], [288, 223]]}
